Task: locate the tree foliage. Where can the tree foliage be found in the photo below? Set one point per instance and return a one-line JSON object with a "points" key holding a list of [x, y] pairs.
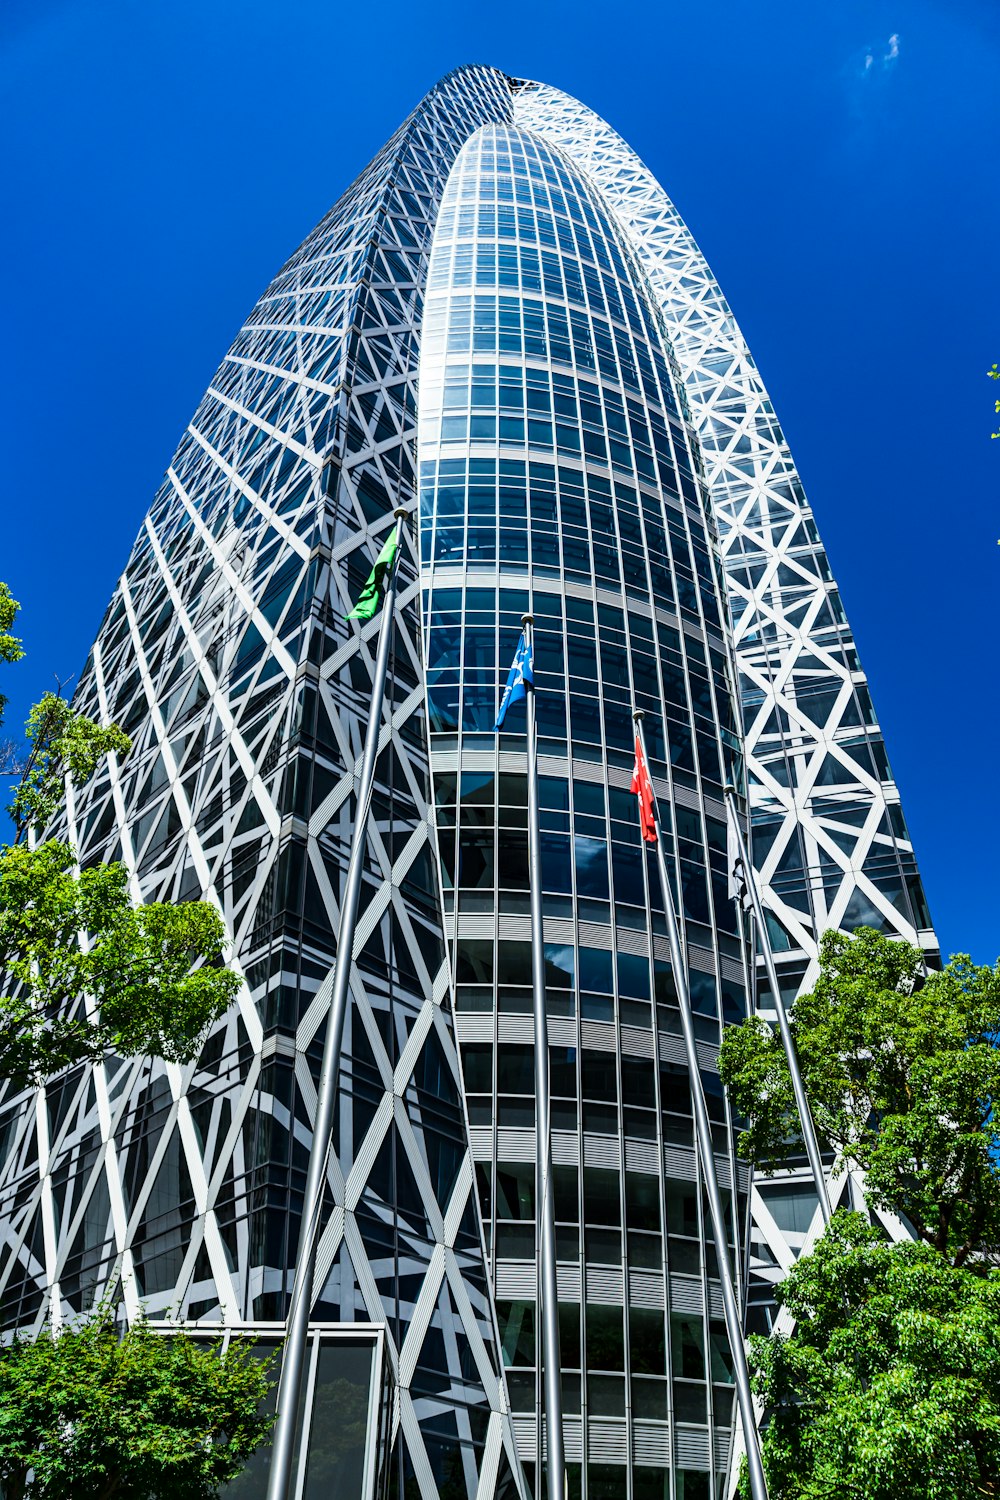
{"points": [[83, 971], [901, 1070], [141, 1416], [890, 1384], [10, 645], [63, 743], [70, 937]]}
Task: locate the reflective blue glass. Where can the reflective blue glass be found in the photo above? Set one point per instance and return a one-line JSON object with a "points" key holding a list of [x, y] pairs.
{"points": [[557, 477]]}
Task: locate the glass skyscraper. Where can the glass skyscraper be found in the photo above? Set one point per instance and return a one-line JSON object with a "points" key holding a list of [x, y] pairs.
{"points": [[504, 326]]}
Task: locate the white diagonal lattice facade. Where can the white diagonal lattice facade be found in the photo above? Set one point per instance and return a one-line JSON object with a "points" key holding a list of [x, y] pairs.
{"points": [[226, 654], [829, 841]]}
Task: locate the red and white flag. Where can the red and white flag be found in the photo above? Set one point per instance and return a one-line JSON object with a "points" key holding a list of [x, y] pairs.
{"points": [[643, 788]]}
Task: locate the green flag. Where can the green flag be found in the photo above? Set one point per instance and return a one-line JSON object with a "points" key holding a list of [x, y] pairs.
{"points": [[371, 595]]}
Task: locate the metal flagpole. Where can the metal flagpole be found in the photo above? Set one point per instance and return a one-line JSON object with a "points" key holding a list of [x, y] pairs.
{"points": [[798, 1087], [545, 1218], [703, 1132], [297, 1326]]}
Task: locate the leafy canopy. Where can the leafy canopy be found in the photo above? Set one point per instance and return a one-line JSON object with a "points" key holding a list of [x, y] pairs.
{"points": [[890, 1384], [10, 646], [135, 968], [141, 1416], [63, 743], [901, 1071], [83, 971]]}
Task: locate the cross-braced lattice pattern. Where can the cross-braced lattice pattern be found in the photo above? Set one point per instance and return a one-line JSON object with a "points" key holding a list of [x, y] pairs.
{"points": [[226, 655], [829, 841]]}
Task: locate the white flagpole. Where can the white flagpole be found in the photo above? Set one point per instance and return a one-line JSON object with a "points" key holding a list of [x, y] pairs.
{"points": [[547, 1303], [806, 1122], [703, 1134], [297, 1327]]}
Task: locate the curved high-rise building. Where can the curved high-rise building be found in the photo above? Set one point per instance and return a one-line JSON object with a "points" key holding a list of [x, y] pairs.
{"points": [[557, 476], [504, 327], [829, 841]]}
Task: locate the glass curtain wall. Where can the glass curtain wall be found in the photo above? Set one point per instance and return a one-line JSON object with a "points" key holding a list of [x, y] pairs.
{"points": [[557, 475], [829, 839]]}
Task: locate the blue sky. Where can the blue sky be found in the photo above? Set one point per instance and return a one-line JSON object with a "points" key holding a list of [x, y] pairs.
{"points": [[837, 164]]}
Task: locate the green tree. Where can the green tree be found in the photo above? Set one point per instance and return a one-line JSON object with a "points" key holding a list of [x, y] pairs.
{"points": [[63, 743], [890, 1384], [129, 988], [901, 1070], [10, 646], [82, 970], [87, 1411]]}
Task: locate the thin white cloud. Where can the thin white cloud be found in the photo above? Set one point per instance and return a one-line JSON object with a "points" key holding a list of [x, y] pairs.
{"points": [[885, 55]]}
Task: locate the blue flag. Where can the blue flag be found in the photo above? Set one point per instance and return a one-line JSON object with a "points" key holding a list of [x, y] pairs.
{"points": [[520, 673]]}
